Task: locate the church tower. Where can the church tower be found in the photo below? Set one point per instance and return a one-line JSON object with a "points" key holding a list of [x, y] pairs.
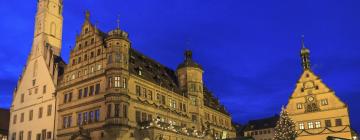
{"points": [[315, 109], [33, 99]]}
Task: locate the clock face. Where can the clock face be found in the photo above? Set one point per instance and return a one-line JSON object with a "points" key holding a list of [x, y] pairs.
{"points": [[310, 99]]}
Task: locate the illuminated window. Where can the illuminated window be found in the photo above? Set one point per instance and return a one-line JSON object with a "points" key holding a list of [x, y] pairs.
{"points": [[310, 125], [299, 106], [117, 81], [317, 124], [324, 102]]}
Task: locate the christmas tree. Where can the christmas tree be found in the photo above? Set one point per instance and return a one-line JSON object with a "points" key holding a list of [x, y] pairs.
{"points": [[285, 127]]}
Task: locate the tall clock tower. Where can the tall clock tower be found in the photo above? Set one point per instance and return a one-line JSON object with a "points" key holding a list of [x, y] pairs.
{"points": [[33, 106], [317, 112]]}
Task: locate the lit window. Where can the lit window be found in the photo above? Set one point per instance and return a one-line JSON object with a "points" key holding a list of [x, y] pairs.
{"points": [[317, 124], [324, 102], [124, 82], [92, 69], [117, 81], [73, 77], [299, 106], [310, 125], [99, 67]]}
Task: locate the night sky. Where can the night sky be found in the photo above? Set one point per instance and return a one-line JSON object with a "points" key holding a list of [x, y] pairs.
{"points": [[249, 48]]}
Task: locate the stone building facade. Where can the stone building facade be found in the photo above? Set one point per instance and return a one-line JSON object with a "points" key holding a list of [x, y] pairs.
{"points": [[111, 91], [317, 112], [33, 98]]}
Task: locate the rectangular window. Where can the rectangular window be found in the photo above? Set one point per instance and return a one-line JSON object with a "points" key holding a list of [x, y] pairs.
{"points": [[65, 98], [110, 82], [49, 110], [143, 116], [97, 115], [21, 135], [138, 116], [125, 111], [117, 109], [13, 136], [70, 96], [193, 101], [22, 98], [29, 135], [85, 92], [22, 117], [144, 92], [109, 111], [36, 90], [138, 90], [194, 118], [80, 93], [69, 121], [172, 103], [48, 135], [38, 136], [44, 89], [85, 117], [43, 134], [97, 89], [91, 91], [310, 125], [40, 112], [117, 81], [338, 122], [110, 59], [31, 112], [14, 119], [317, 124], [79, 119], [149, 117], [91, 116], [150, 95], [124, 82], [324, 102], [299, 106], [65, 121], [327, 123]]}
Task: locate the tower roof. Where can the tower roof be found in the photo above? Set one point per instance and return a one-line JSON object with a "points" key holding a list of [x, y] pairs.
{"points": [[189, 62]]}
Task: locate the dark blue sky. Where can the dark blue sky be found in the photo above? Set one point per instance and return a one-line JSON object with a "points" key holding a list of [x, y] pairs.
{"points": [[248, 48]]}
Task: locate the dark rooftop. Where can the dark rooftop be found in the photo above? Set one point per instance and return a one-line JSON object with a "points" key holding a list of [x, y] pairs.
{"points": [[262, 123]]}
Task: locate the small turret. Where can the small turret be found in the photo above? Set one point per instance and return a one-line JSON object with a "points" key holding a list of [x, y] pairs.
{"points": [[305, 55]]}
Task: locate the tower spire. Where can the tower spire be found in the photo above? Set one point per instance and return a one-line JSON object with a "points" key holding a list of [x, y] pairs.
{"points": [[118, 22], [305, 55]]}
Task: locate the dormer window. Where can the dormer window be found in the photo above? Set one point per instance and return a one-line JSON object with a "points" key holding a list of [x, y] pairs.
{"points": [[86, 30], [140, 71]]}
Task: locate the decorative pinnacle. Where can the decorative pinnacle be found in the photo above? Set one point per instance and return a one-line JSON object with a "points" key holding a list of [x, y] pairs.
{"points": [[118, 22], [302, 41], [87, 15], [188, 55]]}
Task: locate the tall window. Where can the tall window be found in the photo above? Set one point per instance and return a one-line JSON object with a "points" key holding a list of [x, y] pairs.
{"points": [[85, 117], [49, 110], [117, 109], [40, 112], [14, 119], [327, 123], [117, 81], [109, 110], [97, 115], [44, 89], [194, 118], [86, 92], [65, 98], [172, 103], [29, 135], [31, 112], [79, 119], [21, 135], [138, 116], [66, 122], [22, 98], [125, 111], [193, 101], [310, 125], [317, 124], [91, 116], [138, 90], [117, 57], [91, 91], [97, 89], [110, 59], [124, 82], [80, 94], [299, 106], [338, 122], [110, 82], [22, 117]]}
